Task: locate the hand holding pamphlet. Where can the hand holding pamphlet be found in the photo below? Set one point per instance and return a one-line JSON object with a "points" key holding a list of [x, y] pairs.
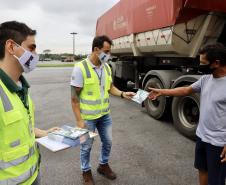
{"points": [[65, 138], [140, 96]]}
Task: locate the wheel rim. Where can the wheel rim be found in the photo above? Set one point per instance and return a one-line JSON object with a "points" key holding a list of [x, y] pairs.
{"points": [[154, 104], [189, 112]]}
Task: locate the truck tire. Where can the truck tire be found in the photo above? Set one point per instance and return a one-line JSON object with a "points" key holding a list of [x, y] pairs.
{"points": [[185, 112], [156, 108]]}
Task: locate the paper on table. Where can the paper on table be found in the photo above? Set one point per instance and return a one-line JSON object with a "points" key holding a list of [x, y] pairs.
{"points": [[140, 96], [52, 145]]}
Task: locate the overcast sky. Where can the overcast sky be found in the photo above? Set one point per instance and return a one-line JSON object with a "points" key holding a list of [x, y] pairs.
{"points": [[54, 20]]}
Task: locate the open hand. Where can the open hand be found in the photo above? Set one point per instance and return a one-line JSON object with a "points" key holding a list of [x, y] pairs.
{"points": [[154, 93]]}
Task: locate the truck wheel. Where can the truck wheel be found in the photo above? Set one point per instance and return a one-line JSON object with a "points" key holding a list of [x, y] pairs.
{"points": [[185, 111], [155, 108]]}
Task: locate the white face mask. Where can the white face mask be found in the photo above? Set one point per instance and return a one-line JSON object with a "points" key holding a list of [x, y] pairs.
{"points": [[103, 57], [28, 60]]}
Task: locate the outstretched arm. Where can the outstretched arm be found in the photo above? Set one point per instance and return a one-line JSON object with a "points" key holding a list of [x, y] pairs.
{"points": [[179, 91]]}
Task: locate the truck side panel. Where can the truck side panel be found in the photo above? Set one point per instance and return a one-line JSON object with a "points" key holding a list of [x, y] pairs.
{"points": [[132, 16]]}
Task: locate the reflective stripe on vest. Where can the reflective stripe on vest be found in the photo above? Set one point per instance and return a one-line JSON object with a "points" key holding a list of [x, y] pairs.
{"points": [[20, 179], [94, 112], [94, 102], [107, 69], [90, 112], [90, 102], [4, 165], [88, 74], [5, 100]]}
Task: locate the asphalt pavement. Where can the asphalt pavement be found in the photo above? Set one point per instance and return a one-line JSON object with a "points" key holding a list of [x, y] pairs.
{"points": [[144, 152]]}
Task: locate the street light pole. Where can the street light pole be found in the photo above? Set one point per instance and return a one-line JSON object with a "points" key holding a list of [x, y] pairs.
{"points": [[73, 33]]}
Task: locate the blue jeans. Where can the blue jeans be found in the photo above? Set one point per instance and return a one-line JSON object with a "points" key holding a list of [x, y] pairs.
{"points": [[104, 127]]}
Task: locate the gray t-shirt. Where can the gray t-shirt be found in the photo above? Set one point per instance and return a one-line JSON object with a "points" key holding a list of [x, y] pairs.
{"points": [[212, 121]]}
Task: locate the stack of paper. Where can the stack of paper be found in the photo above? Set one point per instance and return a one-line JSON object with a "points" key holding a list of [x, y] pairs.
{"points": [[70, 132], [70, 135], [65, 138]]}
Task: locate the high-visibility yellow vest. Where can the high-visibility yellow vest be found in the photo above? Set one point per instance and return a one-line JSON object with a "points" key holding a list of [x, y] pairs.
{"points": [[19, 155], [92, 104]]}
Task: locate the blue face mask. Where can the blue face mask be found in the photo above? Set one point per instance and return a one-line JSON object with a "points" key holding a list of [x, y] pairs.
{"points": [[103, 57], [28, 60]]}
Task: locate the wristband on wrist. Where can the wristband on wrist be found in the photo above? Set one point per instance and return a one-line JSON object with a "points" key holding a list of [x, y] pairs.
{"points": [[122, 94]]}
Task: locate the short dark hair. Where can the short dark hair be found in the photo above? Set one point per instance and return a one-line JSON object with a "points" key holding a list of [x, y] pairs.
{"points": [[214, 52], [98, 41], [14, 30]]}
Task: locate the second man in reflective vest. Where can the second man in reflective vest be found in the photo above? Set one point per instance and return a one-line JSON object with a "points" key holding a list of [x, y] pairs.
{"points": [[91, 83]]}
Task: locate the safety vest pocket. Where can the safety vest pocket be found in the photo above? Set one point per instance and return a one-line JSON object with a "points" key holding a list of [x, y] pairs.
{"points": [[12, 117], [15, 153]]}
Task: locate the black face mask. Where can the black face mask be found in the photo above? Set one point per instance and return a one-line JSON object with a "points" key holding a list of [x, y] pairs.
{"points": [[210, 70], [206, 69]]}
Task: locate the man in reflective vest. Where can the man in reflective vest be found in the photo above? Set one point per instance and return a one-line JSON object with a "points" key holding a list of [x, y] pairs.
{"points": [[91, 84], [19, 156]]}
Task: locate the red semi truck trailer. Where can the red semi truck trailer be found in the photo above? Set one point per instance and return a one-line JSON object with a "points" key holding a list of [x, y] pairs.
{"points": [[156, 44]]}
